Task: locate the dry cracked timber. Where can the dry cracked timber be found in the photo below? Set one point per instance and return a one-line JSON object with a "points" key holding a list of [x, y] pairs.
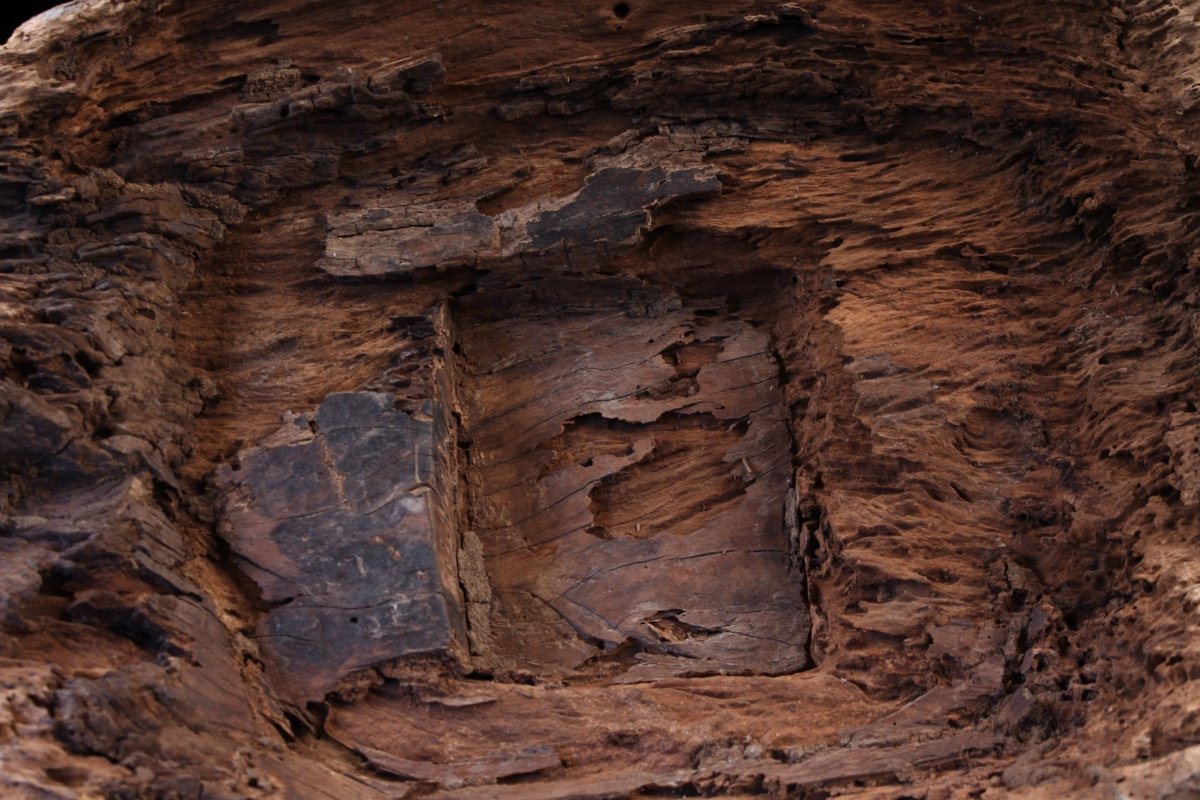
{"points": [[589, 400]]}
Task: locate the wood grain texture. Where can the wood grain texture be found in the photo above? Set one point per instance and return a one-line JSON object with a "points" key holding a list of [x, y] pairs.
{"points": [[808, 390], [613, 482], [333, 518]]}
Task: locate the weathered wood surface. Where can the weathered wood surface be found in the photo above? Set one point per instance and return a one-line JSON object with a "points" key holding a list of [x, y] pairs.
{"points": [[333, 518], [967, 231], [459, 728], [628, 468], [605, 216]]}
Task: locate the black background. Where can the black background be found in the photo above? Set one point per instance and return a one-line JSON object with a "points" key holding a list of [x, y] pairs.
{"points": [[14, 12]]}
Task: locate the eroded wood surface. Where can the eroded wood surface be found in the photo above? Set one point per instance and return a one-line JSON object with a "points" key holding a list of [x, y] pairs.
{"points": [[334, 517], [965, 231], [628, 472]]}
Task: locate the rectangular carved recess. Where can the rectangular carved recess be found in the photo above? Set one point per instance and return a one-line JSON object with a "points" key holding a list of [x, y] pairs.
{"points": [[597, 487], [627, 464]]}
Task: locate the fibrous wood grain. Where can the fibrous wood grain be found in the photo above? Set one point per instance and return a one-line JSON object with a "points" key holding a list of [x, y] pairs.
{"points": [[575, 399]]}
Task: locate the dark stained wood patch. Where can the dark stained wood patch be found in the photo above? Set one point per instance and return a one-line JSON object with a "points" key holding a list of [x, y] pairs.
{"points": [[333, 518]]}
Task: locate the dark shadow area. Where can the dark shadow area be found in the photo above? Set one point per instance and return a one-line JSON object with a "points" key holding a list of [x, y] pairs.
{"points": [[14, 14]]}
